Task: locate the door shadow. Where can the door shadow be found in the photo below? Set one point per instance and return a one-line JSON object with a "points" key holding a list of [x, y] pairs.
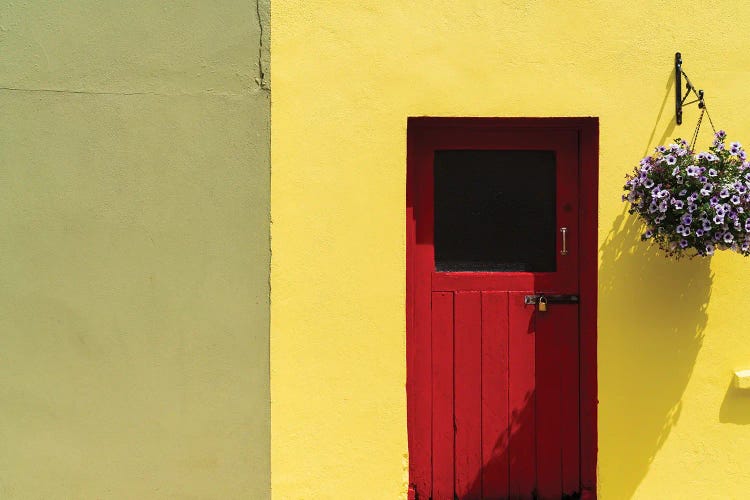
{"points": [[652, 315]]}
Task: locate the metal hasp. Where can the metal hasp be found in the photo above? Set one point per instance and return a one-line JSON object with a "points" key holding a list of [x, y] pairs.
{"points": [[551, 299], [680, 99]]}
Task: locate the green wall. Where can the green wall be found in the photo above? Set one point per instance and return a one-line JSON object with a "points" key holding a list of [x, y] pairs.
{"points": [[134, 249]]}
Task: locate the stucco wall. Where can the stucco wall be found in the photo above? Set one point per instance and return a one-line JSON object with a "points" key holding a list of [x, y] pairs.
{"points": [[670, 333], [134, 250]]}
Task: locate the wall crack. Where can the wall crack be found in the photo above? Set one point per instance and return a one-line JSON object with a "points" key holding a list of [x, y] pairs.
{"points": [[261, 80]]}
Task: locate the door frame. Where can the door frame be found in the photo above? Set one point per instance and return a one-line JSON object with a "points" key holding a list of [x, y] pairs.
{"points": [[418, 383]]}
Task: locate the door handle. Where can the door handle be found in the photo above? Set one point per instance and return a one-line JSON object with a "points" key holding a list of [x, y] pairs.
{"points": [[532, 300], [564, 231]]}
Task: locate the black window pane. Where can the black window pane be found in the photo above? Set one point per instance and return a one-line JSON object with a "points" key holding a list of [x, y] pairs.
{"points": [[495, 211]]}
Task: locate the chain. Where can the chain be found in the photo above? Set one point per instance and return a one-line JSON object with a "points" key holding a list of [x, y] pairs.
{"points": [[697, 129], [709, 117]]}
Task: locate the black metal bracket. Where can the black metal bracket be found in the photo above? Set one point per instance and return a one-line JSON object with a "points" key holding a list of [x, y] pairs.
{"points": [[689, 87]]}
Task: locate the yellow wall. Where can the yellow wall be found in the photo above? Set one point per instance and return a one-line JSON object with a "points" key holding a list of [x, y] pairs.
{"points": [[347, 76], [134, 251]]}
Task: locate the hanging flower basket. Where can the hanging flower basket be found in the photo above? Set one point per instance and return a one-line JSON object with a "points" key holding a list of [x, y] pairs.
{"points": [[693, 204]]}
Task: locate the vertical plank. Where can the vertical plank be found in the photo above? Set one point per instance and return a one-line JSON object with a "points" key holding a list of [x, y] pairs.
{"points": [[570, 382], [550, 326], [417, 371], [495, 395], [420, 395], [468, 396], [419, 339], [521, 373], [589, 192], [442, 395]]}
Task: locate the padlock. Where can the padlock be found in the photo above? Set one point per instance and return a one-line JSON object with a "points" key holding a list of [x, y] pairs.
{"points": [[542, 303]]}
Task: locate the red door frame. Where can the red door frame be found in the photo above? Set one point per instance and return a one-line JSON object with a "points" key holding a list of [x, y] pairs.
{"points": [[418, 384]]}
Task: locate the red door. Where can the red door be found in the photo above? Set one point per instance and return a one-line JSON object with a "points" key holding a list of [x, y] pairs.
{"points": [[501, 318]]}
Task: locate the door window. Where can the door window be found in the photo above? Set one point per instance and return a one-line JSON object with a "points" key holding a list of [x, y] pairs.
{"points": [[495, 210]]}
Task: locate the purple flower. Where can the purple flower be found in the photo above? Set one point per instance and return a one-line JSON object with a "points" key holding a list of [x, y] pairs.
{"points": [[676, 171], [718, 219], [692, 207], [701, 156], [735, 148], [692, 171], [735, 199], [687, 219], [678, 204], [661, 149], [706, 189], [692, 197], [670, 159], [680, 229], [709, 249], [720, 211], [648, 234], [712, 172], [728, 237], [683, 193], [648, 183], [699, 232], [747, 226], [663, 206], [683, 243], [713, 201], [720, 134], [745, 246], [707, 225]]}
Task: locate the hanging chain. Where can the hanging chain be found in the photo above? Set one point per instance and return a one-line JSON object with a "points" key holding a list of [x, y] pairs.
{"points": [[697, 129], [709, 117]]}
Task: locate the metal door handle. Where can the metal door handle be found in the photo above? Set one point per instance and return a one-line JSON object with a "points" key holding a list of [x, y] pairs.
{"points": [[564, 231]]}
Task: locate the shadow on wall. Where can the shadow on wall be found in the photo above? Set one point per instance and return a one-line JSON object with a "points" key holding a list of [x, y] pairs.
{"points": [[652, 314], [735, 409]]}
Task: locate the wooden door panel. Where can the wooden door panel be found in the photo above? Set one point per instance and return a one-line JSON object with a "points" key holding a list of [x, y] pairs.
{"points": [[495, 451], [521, 382], [570, 397], [549, 330], [468, 394], [442, 395]]}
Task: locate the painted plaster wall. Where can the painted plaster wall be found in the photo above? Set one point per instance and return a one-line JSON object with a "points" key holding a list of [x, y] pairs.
{"points": [[347, 76], [134, 249]]}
